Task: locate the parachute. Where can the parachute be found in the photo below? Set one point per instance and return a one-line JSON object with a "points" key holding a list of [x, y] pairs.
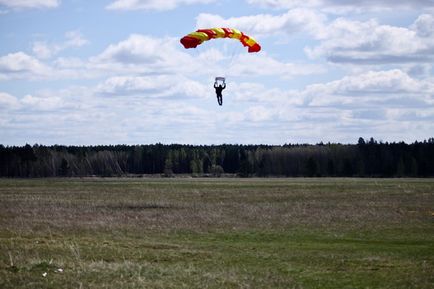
{"points": [[194, 39]]}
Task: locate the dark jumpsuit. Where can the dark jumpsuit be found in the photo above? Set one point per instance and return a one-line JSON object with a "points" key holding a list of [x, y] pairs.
{"points": [[218, 91]]}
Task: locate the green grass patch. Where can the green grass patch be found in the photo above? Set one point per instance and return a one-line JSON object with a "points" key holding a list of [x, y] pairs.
{"points": [[216, 233]]}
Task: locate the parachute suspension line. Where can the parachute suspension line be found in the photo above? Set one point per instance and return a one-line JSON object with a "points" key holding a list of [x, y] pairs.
{"points": [[234, 56]]}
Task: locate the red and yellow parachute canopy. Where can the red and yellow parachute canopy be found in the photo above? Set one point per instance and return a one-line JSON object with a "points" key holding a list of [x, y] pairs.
{"points": [[194, 39]]}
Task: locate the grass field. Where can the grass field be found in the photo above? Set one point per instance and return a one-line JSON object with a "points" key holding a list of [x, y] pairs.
{"points": [[217, 233]]}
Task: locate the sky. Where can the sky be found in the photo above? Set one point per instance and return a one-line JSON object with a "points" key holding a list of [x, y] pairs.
{"points": [[77, 72]]}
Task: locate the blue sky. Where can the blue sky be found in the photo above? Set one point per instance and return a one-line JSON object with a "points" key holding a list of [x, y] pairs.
{"points": [[113, 72]]}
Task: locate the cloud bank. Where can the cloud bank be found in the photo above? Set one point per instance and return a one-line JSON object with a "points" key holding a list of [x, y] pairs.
{"points": [[27, 4], [153, 4]]}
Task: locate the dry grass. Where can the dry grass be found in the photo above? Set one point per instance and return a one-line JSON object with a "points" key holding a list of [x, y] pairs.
{"points": [[202, 204], [217, 233]]}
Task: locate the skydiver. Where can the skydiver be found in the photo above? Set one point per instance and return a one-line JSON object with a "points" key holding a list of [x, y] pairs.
{"points": [[218, 90]]}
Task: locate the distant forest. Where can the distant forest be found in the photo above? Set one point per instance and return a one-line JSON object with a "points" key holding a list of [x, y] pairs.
{"points": [[367, 158]]}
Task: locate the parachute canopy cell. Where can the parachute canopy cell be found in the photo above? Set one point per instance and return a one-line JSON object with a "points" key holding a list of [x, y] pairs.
{"points": [[196, 38]]}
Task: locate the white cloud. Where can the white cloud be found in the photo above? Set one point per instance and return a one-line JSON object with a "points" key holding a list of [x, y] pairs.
{"points": [[44, 50], [22, 66], [8, 101], [254, 93], [258, 114], [339, 6], [148, 88], [153, 4], [284, 4], [29, 103], [361, 100], [374, 102], [42, 103], [346, 41], [374, 89], [293, 21], [140, 54], [152, 86], [114, 119], [342, 40], [264, 65], [381, 103], [30, 3], [74, 39], [136, 49], [424, 25], [144, 54]]}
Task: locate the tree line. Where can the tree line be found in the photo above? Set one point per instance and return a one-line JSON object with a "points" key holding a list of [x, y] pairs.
{"points": [[367, 158]]}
